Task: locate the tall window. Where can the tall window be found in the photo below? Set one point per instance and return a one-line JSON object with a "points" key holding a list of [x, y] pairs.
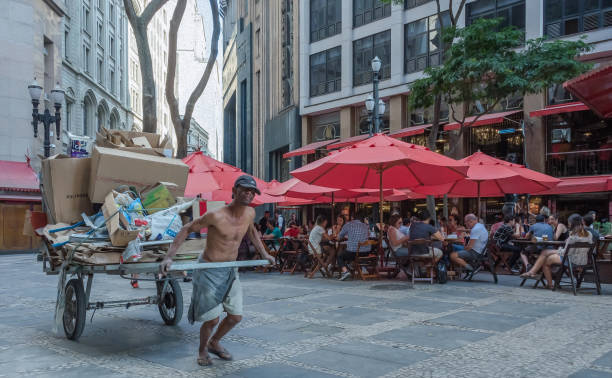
{"points": [[111, 46], [111, 13], [325, 72], [86, 19], [69, 104], [86, 59], [100, 71], [111, 78], [423, 46], [100, 34], [512, 12], [366, 11], [564, 17], [408, 4], [66, 42], [364, 50], [325, 19]]}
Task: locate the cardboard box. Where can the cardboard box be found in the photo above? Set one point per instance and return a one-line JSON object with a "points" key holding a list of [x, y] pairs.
{"points": [[65, 182], [111, 168], [116, 223], [135, 141]]}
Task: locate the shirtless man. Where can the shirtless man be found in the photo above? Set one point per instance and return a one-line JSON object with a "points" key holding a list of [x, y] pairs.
{"points": [[218, 289]]}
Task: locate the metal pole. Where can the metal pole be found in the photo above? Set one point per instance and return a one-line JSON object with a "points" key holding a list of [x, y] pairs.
{"points": [[46, 120], [370, 122], [376, 115]]}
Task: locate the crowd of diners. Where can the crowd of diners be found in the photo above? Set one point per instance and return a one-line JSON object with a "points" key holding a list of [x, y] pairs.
{"points": [[462, 240]]}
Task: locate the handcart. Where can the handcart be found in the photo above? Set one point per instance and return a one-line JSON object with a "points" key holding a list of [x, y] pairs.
{"points": [[169, 297]]}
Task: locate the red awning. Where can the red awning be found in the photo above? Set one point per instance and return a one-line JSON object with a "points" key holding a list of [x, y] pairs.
{"points": [[594, 88], [18, 176], [583, 184], [487, 119], [18, 198], [561, 108], [348, 141], [409, 131], [309, 148]]}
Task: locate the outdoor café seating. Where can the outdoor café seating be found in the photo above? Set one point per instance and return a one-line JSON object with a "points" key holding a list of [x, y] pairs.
{"points": [[366, 260]]}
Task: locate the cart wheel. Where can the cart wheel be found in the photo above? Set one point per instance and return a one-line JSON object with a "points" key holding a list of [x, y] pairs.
{"points": [[170, 302], [74, 309]]}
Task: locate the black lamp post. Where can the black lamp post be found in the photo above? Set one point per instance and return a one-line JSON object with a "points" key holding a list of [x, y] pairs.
{"points": [[374, 105], [57, 96]]}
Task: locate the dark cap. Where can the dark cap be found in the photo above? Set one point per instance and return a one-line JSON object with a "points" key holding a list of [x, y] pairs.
{"points": [[246, 181]]}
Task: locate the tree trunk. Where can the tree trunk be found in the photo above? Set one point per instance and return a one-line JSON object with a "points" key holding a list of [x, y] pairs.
{"points": [[182, 124], [139, 26]]}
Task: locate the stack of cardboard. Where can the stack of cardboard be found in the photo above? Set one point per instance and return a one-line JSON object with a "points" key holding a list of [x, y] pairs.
{"points": [[134, 141]]}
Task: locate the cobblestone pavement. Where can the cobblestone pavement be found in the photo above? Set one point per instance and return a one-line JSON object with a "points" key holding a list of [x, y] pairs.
{"points": [[296, 327]]}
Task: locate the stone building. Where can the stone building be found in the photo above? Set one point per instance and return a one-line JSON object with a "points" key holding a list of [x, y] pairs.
{"points": [[30, 47], [94, 67], [260, 83]]}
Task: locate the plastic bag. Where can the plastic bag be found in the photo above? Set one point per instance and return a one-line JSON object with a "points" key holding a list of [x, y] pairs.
{"points": [[165, 225], [133, 251]]}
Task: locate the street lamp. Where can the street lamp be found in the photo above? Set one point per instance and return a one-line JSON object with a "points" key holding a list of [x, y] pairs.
{"points": [[374, 105], [57, 96]]}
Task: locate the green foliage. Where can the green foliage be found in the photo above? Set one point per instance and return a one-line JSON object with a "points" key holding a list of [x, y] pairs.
{"points": [[482, 64]]}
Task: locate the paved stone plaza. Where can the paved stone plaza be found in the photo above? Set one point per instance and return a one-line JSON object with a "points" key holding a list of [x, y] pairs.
{"points": [[296, 327]]}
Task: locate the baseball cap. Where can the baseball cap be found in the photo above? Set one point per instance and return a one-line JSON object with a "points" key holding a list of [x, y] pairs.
{"points": [[246, 181]]}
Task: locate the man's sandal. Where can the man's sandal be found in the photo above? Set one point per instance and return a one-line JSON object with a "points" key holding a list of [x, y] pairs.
{"points": [[221, 353], [205, 361]]}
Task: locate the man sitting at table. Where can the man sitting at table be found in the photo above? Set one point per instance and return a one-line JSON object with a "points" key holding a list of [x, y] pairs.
{"points": [[421, 229], [293, 231], [540, 229], [476, 246], [317, 235], [503, 238], [356, 232], [273, 233]]}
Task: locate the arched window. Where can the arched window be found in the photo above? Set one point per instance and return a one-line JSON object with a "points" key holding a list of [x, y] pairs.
{"points": [[114, 120], [101, 117], [88, 111]]}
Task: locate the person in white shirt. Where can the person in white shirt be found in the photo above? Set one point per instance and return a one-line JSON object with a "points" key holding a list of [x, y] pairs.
{"points": [[317, 235], [476, 246]]}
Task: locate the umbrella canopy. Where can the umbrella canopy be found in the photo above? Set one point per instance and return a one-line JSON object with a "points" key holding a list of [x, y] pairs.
{"points": [[398, 164], [199, 162], [298, 189], [491, 177]]}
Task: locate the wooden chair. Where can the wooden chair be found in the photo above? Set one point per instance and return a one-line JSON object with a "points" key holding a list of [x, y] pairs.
{"points": [[576, 273], [500, 258], [317, 263], [366, 260], [416, 260], [485, 262], [390, 267], [289, 258]]}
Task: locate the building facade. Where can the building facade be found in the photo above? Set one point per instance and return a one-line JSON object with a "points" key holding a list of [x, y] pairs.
{"points": [[95, 68], [338, 40], [260, 84], [193, 50], [31, 47]]}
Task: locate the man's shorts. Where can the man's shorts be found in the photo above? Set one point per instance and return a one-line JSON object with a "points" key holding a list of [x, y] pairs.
{"points": [[469, 256], [436, 252], [232, 303]]}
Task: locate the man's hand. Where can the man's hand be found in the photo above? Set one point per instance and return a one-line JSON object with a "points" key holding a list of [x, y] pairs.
{"points": [[270, 258], [164, 267]]}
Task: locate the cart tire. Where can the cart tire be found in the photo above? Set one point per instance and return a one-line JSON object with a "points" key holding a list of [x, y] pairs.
{"points": [[75, 309], [171, 302]]}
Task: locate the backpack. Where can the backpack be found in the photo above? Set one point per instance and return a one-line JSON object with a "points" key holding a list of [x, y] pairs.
{"points": [[442, 272]]}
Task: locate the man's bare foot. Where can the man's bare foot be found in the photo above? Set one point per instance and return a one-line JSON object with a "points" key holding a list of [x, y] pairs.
{"points": [[204, 360], [215, 348]]}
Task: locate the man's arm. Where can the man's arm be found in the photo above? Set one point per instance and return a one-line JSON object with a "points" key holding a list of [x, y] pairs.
{"points": [[194, 226], [437, 236], [252, 234]]}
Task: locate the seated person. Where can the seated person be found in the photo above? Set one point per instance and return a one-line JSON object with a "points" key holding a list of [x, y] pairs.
{"points": [[317, 235], [454, 228], [549, 257], [273, 233], [540, 229], [405, 227], [397, 237], [293, 231], [560, 232], [475, 247], [503, 239], [422, 229], [588, 225], [499, 221], [356, 232]]}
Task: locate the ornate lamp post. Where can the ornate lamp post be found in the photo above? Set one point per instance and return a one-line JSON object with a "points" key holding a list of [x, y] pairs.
{"points": [[374, 105], [57, 96]]}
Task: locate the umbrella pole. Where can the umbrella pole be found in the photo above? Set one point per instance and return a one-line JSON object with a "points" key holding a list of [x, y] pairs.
{"points": [[332, 210], [380, 217], [479, 214]]}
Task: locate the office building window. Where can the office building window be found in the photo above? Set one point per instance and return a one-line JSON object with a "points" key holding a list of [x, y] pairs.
{"points": [[86, 59], [325, 72], [66, 42], [564, 17], [100, 71], [366, 11], [100, 35], [364, 50], [111, 46], [422, 43], [364, 121], [111, 78], [325, 19], [512, 12], [325, 126], [409, 4], [111, 13], [86, 19]]}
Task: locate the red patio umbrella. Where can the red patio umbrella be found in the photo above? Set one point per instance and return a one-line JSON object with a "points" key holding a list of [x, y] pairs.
{"points": [[382, 162], [491, 177]]}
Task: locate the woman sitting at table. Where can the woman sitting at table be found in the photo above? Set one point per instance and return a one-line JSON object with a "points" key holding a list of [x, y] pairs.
{"points": [[336, 228], [293, 231], [549, 257], [396, 237], [560, 232], [273, 233], [454, 228], [318, 235]]}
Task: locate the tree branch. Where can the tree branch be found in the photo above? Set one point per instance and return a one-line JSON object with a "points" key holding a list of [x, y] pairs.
{"points": [[175, 22], [130, 12], [214, 48], [148, 13], [459, 10]]}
